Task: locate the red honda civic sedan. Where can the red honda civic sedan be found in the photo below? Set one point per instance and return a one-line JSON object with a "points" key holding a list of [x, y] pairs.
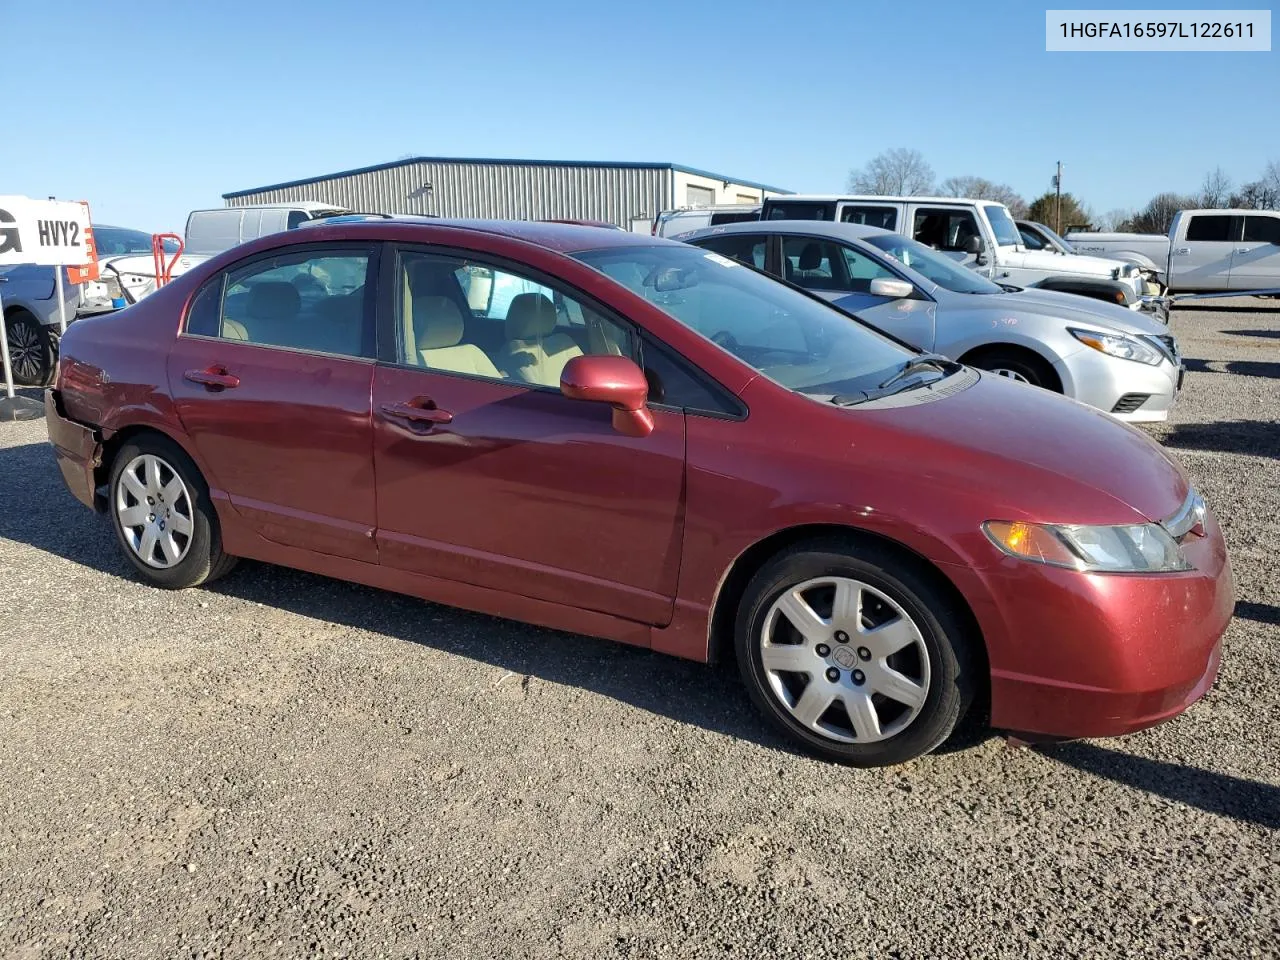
{"points": [[632, 438]]}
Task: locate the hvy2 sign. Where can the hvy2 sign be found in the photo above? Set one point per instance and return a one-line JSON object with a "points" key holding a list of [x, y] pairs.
{"points": [[48, 232]]}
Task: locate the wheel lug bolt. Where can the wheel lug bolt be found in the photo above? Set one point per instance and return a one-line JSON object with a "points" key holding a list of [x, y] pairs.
{"points": [[859, 677], [150, 502], [864, 653], [841, 637], [823, 650], [833, 674]]}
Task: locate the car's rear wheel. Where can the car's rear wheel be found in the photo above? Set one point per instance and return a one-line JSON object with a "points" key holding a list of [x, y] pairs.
{"points": [[31, 349], [854, 652], [163, 517], [1020, 365]]}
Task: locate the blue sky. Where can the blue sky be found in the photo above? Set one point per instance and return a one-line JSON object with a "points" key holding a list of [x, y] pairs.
{"points": [[149, 110]]}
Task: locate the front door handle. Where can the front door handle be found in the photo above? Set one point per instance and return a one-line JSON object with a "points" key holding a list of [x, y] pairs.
{"points": [[215, 378], [418, 410], [1182, 252], [1243, 249]]}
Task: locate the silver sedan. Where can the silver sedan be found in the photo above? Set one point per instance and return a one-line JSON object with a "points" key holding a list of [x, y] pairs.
{"points": [[1118, 360]]}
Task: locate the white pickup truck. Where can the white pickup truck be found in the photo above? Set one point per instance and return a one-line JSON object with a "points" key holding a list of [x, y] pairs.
{"points": [[1206, 251], [982, 235]]}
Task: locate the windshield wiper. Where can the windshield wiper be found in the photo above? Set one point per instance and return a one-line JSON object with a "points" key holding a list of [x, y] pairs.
{"points": [[935, 360]]}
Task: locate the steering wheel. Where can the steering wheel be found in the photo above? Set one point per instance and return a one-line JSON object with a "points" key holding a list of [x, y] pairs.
{"points": [[725, 339]]}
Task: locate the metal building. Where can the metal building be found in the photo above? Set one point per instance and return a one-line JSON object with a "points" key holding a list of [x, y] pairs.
{"points": [[627, 194]]}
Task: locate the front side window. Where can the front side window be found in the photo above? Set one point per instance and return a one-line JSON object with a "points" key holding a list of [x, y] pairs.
{"points": [[862, 270], [1262, 229], [746, 248], [937, 267], [945, 229], [465, 317], [886, 218], [1002, 226], [796, 340], [813, 263], [313, 301], [1211, 227], [1030, 239]]}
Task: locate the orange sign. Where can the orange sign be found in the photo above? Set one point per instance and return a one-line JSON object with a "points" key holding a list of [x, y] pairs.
{"points": [[89, 271]]}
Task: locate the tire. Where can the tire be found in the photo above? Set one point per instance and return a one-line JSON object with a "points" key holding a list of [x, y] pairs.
{"points": [[175, 544], [937, 660], [32, 355], [1020, 365]]}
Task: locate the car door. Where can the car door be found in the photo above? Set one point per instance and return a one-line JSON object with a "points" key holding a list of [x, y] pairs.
{"points": [[908, 318], [1202, 258], [271, 378], [488, 475], [1255, 264]]}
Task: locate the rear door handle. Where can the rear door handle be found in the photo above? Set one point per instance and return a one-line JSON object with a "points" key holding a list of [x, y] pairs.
{"points": [[215, 378], [418, 410], [1243, 249]]}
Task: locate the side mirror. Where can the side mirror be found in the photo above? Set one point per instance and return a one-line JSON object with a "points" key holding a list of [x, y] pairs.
{"points": [[974, 245], [613, 380], [893, 289]]}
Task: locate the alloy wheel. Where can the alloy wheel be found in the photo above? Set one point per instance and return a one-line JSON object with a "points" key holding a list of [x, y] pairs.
{"points": [[845, 660], [154, 508], [26, 352]]}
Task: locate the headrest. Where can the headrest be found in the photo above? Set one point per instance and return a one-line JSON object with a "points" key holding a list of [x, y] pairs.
{"points": [[273, 300], [530, 315], [437, 322], [810, 257]]}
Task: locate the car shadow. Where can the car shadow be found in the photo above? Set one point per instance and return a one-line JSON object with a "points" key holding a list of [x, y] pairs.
{"points": [[1217, 793], [1256, 437], [1258, 612], [38, 511], [1243, 368], [1226, 308], [1267, 334]]}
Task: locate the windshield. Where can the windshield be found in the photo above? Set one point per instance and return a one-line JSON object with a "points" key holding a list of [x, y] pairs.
{"points": [[1061, 244], [938, 267], [1006, 230], [120, 241], [795, 340]]}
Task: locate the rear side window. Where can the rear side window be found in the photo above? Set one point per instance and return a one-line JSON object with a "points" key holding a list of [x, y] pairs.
{"points": [[886, 218], [314, 301], [799, 210], [204, 317], [1210, 227], [734, 216], [1262, 229], [746, 248], [296, 219]]}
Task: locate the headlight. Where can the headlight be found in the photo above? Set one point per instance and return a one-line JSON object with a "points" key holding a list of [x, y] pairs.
{"points": [[1138, 548], [1119, 345]]}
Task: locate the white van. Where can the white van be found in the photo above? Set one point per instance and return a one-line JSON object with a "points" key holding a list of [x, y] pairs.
{"points": [[210, 232], [684, 219]]}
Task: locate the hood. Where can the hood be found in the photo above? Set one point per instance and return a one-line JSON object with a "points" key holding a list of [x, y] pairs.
{"points": [[1072, 265], [1043, 456], [1073, 308]]}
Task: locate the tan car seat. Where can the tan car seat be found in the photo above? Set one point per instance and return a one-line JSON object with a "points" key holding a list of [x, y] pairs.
{"points": [[534, 352], [438, 331]]}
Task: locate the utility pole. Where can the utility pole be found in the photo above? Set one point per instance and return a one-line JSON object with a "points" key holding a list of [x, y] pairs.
{"points": [[1057, 203]]}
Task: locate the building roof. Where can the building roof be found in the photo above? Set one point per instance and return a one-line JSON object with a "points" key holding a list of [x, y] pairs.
{"points": [[680, 168]]}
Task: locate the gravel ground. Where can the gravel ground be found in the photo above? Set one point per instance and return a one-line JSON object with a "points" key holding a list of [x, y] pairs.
{"points": [[284, 765]]}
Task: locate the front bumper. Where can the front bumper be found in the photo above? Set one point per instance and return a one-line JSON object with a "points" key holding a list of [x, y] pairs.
{"points": [[1115, 385], [1101, 655], [76, 448]]}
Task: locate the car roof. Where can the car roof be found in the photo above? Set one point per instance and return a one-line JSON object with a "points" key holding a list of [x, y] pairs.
{"points": [[820, 228], [872, 198], [561, 237]]}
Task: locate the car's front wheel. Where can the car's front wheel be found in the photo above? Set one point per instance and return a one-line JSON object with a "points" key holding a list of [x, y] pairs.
{"points": [[31, 349], [855, 652], [163, 516]]}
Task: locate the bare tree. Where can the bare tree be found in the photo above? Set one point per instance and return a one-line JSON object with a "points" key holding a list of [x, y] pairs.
{"points": [[980, 188], [1216, 189], [896, 172], [1157, 215], [1115, 219]]}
